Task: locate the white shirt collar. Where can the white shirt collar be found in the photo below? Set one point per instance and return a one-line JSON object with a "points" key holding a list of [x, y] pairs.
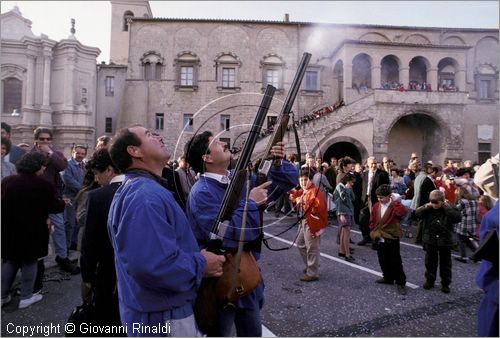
{"points": [[219, 178], [117, 178]]}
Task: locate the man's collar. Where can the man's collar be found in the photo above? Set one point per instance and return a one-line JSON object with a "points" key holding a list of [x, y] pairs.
{"points": [[218, 177], [117, 179]]}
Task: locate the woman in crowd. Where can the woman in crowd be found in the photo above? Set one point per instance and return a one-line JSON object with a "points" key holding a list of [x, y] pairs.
{"points": [[345, 199], [469, 210], [320, 180], [25, 235], [397, 182]]}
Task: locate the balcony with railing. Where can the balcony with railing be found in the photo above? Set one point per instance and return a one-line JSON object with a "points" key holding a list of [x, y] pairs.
{"points": [[420, 97]]}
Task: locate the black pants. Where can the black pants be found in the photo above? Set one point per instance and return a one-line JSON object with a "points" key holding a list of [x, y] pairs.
{"points": [[389, 258], [433, 255], [364, 221], [464, 242], [39, 276]]}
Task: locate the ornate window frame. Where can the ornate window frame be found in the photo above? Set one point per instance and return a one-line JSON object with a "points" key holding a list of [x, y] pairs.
{"points": [[10, 70], [152, 63], [186, 59], [273, 62], [227, 60], [486, 72]]}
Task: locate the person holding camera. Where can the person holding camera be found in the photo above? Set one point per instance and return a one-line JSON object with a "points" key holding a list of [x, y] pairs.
{"points": [[438, 218]]}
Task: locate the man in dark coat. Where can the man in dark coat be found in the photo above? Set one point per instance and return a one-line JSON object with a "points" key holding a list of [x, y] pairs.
{"points": [[97, 258], [372, 179]]}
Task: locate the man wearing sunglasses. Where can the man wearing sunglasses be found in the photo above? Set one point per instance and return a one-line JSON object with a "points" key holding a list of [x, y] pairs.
{"points": [[56, 162]]}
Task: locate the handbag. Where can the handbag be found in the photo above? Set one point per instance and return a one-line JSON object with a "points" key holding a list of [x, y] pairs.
{"points": [[237, 282], [84, 313]]}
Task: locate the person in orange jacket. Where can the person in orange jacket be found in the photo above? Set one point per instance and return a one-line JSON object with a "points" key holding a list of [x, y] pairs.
{"points": [[313, 211]]}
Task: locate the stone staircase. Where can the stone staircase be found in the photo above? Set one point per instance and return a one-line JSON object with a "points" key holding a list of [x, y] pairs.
{"points": [[314, 131]]}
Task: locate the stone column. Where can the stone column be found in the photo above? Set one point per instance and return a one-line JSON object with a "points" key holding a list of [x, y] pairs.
{"points": [[432, 78], [28, 109], [404, 76], [69, 85], [46, 110], [460, 80], [347, 82], [30, 89], [376, 77]]}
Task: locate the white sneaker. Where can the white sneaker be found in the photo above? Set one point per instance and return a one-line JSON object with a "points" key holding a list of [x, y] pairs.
{"points": [[6, 300], [24, 303]]}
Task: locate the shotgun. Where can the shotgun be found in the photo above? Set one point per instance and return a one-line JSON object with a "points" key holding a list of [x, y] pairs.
{"points": [[205, 307], [267, 160]]}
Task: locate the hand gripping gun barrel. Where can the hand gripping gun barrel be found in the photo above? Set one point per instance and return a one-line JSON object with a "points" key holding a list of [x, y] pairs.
{"points": [[267, 159], [241, 273]]}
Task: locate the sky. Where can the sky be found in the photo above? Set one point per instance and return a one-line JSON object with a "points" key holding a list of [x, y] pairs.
{"points": [[93, 18]]}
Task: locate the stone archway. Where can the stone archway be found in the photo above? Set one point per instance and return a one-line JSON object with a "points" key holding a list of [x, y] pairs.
{"points": [[417, 133], [343, 146]]}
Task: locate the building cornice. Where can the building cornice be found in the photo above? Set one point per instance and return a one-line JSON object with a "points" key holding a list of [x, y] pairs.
{"points": [[70, 43], [340, 25]]}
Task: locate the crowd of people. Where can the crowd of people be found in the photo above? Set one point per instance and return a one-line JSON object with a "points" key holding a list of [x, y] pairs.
{"points": [[144, 226], [418, 86]]}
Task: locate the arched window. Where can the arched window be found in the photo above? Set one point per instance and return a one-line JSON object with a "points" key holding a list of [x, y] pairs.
{"points": [[227, 75], [126, 16], [389, 72], [272, 71], [447, 70], [418, 73], [186, 68], [361, 71], [12, 95], [153, 64]]}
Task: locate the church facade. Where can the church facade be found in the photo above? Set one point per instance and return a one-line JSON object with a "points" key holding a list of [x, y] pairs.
{"points": [[47, 83]]}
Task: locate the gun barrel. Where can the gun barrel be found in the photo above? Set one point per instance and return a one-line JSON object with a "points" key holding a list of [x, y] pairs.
{"points": [[297, 80], [232, 194]]}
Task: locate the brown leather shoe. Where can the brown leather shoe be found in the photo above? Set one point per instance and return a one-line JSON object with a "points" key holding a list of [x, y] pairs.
{"points": [[307, 278]]}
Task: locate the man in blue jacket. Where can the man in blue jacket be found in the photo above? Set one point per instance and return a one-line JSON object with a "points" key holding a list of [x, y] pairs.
{"points": [[211, 157], [158, 263]]}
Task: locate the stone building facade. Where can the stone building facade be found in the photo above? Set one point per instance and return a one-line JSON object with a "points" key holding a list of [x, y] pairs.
{"points": [[186, 75], [47, 83]]}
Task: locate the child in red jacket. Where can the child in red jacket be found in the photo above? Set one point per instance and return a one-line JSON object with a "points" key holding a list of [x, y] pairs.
{"points": [[385, 231], [313, 210]]}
